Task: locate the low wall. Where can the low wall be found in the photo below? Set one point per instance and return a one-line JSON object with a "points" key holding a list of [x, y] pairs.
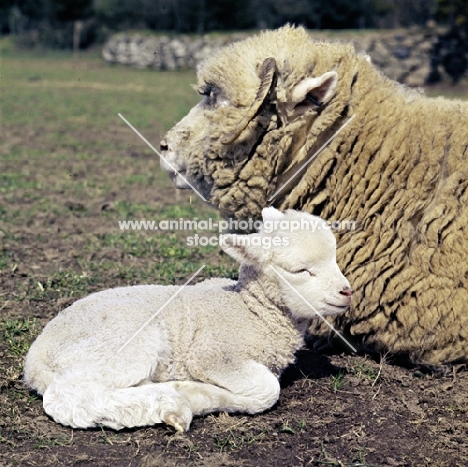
{"points": [[403, 55]]}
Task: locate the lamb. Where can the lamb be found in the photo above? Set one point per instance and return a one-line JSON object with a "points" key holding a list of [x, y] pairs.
{"points": [[218, 346], [398, 169]]}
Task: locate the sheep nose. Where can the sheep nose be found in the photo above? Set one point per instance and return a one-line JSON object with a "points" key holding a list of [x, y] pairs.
{"points": [[163, 146], [347, 292]]}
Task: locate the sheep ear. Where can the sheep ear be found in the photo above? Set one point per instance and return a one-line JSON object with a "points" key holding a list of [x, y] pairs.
{"points": [[271, 214], [267, 74], [244, 248], [313, 92]]}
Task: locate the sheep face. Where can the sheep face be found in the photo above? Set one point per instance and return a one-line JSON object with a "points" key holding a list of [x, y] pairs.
{"points": [[192, 148], [257, 113], [301, 263]]}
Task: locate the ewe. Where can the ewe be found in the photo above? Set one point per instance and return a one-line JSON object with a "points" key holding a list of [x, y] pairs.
{"points": [[399, 169], [218, 346]]}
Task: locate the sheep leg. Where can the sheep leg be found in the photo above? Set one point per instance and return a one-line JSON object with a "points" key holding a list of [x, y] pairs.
{"points": [[86, 403], [251, 388]]}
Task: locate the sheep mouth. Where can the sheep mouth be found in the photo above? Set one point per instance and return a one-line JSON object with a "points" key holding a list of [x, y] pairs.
{"points": [[338, 307], [175, 174], [179, 179]]}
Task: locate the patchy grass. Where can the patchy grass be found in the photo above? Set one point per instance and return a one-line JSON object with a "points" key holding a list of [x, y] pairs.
{"points": [[366, 369], [357, 460], [337, 381], [16, 334]]}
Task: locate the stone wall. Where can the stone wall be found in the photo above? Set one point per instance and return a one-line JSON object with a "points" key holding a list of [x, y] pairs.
{"points": [[403, 55]]}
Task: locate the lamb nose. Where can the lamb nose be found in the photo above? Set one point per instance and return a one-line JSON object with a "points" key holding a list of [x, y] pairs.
{"points": [[347, 292], [163, 146]]}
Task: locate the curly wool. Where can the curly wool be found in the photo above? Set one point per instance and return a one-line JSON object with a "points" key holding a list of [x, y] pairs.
{"points": [[399, 170]]}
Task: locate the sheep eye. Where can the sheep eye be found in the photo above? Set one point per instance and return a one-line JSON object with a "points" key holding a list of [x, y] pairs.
{"points": [[207, 90], [210, 93]]}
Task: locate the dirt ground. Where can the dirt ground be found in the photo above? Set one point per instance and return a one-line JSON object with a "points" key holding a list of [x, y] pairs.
{"points": [[59, 242], [335, 409]]}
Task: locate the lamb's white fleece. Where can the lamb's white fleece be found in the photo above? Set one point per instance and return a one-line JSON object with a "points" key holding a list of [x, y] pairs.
{"points": [[218, 345]]}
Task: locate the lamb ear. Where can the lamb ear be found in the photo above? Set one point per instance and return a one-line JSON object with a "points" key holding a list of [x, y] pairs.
{"points": [[315, 91], [271, 214], [244, 248]]}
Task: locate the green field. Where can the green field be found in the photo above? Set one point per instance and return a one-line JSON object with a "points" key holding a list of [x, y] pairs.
{"points": [[67, 156], [70, 169]]}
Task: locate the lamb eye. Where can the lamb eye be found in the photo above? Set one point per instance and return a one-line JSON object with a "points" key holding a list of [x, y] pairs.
{"points": [[307, 271]]}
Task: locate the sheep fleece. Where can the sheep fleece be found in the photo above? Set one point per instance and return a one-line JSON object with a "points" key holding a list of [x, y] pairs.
{"points": [[399, 169]]}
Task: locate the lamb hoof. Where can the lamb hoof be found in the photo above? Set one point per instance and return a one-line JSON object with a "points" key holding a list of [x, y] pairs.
{"points": [[180, 421]]}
